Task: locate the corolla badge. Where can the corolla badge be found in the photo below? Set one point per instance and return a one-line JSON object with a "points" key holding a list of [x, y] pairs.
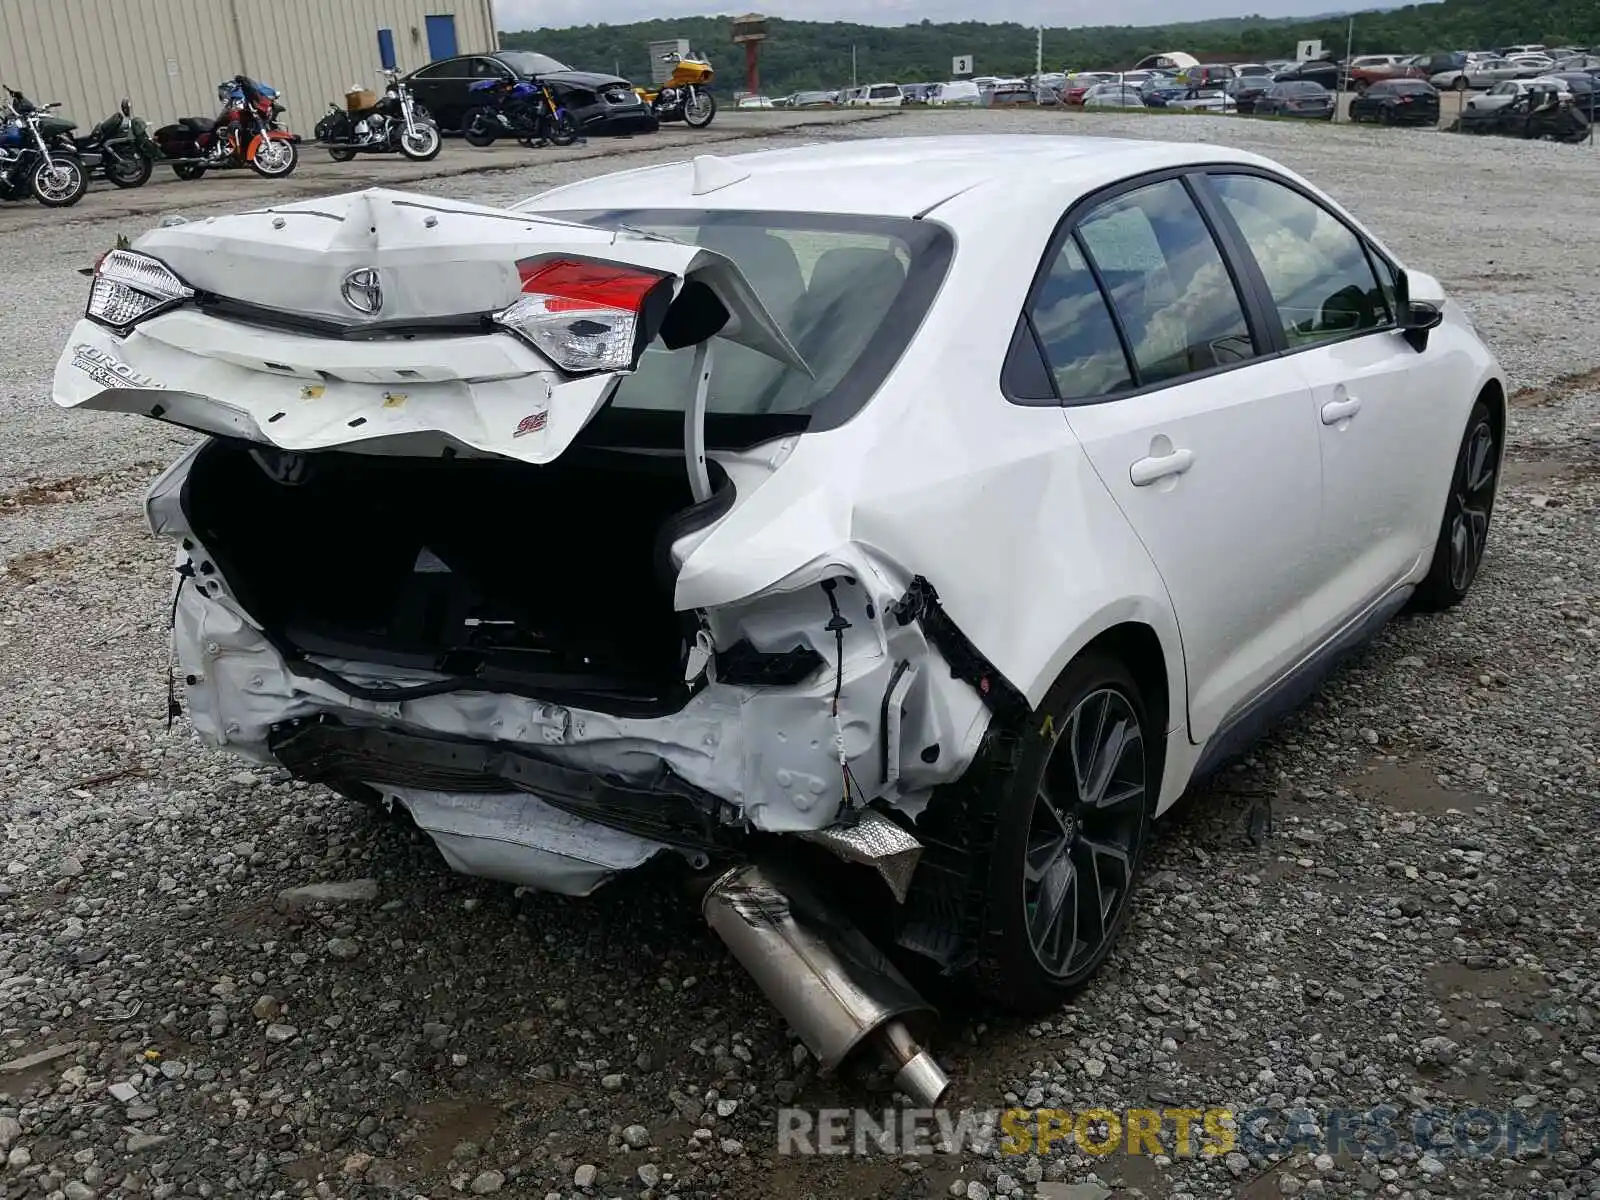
{"points": [[363, 290]]}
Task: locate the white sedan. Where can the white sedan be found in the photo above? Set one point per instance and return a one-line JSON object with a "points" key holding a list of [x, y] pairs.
{"points": [[930, 510]]}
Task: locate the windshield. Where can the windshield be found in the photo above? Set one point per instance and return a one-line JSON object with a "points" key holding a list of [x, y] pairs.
{"points": [[526, 62], [850, 291]]}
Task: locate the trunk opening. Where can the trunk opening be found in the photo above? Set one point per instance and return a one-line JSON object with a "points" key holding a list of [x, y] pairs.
{"points": [[553, 581]]}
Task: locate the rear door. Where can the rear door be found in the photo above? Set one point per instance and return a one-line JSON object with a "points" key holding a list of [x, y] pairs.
{"points": [[1369, 410], [1199, 436]]}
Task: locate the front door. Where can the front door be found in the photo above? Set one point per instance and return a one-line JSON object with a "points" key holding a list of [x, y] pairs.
{"points": [[1372, 423], [1199, 437], [441, 36]]}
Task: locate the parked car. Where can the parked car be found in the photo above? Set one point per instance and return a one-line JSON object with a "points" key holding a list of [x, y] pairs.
{"points": [[1206, 99], [1077, 86], [1247, 89], [1585, 89], [601, 103], [1482, 75], [1161, 90], [800, 625], [1367, 69], [1009, 93], [1301, 98], [754, 102], [1329, 75], [1113, 95], [916, 93], [956, 92], [877, 95], [1207, 75], [1506, 91], [1397, 102], [813, 100], [1243, 69]]}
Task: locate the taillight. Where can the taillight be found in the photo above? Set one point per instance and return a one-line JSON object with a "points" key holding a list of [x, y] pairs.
{"points": [[588, 316], [129, 286]]}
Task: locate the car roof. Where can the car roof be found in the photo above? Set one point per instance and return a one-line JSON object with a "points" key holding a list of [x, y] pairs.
{"points": [[886, 176]]}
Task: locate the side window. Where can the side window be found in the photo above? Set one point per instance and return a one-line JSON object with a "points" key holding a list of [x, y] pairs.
{"points": [[486, 68], [434, 71], [1075, 331], [1167, 281], [1315, 266]]}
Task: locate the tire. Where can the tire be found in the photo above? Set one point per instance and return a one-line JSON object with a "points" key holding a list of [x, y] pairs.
{"points": [[131, 174], [341, 154], [478, 127], [700, 110], [1464, 528], [563, 128], [1044, 849], [60, 185], [189, 171], [1388, 117], [1460, 84], [422, 146], [282, 158]]}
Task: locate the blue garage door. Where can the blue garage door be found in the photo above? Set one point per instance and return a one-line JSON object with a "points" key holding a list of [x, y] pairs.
{"points": [[442, 36]]}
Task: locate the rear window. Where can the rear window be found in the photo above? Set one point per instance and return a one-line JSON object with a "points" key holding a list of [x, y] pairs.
{"points": [[850, 291], [883, 93], [526, 62]]}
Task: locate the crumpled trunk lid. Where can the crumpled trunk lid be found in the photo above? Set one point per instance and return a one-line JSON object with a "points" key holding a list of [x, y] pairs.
{"points": [[363, 322]]}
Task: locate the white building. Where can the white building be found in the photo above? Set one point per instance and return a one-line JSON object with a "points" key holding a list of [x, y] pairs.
{"points": [[167, 56]]}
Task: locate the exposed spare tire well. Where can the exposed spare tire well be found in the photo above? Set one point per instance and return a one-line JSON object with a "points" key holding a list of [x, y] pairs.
{"points": [[553, 581]]}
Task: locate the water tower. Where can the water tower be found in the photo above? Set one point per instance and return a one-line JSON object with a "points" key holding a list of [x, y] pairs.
{"points": [[750, 31]]}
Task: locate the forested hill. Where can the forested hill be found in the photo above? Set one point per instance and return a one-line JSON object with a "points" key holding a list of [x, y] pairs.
{"points": [[812, 54]]}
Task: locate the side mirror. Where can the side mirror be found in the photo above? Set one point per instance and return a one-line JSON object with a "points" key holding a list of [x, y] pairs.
{"points": [[1416, 318]]}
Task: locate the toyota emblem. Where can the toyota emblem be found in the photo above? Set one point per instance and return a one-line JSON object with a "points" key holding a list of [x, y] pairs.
{"points": [[362, 290]]}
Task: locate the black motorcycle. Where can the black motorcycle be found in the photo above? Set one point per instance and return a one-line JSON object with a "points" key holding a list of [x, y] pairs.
{"points": [[32, 159], [118, 149], [395, 123]]}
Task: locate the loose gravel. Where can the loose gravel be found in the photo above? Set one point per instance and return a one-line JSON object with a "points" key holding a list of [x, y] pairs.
{"points": [[215, 981]]}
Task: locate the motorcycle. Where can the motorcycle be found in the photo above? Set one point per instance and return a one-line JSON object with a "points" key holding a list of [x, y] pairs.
{"points": [[686, 96], [246, 133], [524, 109], [32, 162], [118, 149], [395, 122]]}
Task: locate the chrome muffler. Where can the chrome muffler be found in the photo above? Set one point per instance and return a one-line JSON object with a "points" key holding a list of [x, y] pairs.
{"points": [[834, 987]]}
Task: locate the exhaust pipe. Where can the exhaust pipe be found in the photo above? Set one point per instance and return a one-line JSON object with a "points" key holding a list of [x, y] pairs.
{"points": [[833, 986]]}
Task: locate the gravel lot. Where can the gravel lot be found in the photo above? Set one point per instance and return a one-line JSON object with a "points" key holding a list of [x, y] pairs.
{"points": [[1420, 928]]}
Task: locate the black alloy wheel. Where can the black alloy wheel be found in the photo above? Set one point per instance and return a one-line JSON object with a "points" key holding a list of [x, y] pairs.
{"points": [[1072, 823], [1464, 530], [1084, 835]]}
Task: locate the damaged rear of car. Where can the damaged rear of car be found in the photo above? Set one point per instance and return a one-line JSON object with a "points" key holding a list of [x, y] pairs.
{"points": [[452, 543]]}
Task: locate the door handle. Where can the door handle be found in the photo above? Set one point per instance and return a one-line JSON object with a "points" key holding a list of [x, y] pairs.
{"points": [[1335, 411], [1147, 470]]}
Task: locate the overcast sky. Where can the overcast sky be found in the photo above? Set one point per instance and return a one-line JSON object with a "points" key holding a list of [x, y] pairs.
{"points": [[549, 14]]}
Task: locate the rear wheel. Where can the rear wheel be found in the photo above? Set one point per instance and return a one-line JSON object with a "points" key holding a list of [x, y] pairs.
{"points": [[341, 153], [1072, 826], [189, 171], [478, 127], [1464, 529], [130, 172], [59, 183], [1460, 84]]}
